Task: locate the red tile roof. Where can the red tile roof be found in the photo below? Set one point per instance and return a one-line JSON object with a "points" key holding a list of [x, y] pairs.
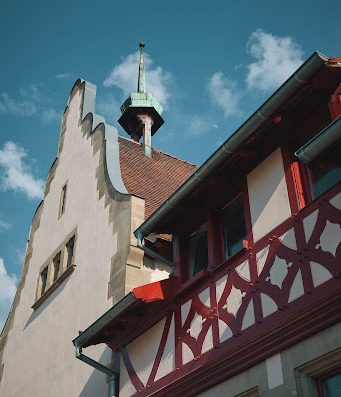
{"points": [[153, 179]]}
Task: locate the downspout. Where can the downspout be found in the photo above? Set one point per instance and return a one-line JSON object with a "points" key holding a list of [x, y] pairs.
{"points": [[112, 375], [152, 253]]}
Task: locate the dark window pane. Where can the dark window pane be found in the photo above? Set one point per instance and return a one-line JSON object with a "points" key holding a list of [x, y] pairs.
{"points": [[56, 267], [69, 251], [198, 252], [43, 276], [332, 386], [324, 178], [234, 226]]}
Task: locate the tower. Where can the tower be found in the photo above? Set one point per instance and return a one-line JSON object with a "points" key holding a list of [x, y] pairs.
{"points": [[141, 112]]}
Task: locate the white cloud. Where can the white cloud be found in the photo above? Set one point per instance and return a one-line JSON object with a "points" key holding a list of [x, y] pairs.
{"points": [[30, 102], [124, 76], [198, 125], [4, 225], [223, 93], [109, 107], [8, 286], [32, 93], [63, 76], [16, 172], [49, 115], [23, 107], [276, 58]]}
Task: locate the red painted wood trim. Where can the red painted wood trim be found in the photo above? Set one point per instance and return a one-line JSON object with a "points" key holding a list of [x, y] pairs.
{"points": [[289, 178], [247, 215], [158, 290], [317, 309], [298, 184], [180, 270], [217, 365], [161, 349], [135, 380], [214, 238]]}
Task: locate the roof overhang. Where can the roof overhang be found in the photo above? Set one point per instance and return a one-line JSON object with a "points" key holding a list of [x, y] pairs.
{"points": [[321, 142], [185, 197], [145, 305]]}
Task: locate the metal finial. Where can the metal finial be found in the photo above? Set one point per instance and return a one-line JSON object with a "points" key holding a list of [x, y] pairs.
{"points": [[141, 79]]}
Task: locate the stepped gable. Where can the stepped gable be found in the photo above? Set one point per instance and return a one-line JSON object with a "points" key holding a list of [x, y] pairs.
{"points": [[153, 178]]}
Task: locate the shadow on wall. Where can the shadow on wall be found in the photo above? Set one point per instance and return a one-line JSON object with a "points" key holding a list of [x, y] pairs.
{"points": [[97, 386]]}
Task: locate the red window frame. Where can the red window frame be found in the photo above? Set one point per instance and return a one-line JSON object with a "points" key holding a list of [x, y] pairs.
{"points": [[324, 377]]}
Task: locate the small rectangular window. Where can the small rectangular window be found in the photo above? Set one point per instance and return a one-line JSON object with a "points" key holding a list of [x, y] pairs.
{"points": [[62, 201], [234, 226], [43, 278], [198, 251], [56, 266], [70, 251]]}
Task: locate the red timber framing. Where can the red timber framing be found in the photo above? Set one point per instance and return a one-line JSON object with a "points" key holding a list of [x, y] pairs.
{"points": [[297, 194], [279, 291]]}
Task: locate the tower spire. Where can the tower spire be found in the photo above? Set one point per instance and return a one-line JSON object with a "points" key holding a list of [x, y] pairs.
{"points": [[141, 112], [141, 80]]}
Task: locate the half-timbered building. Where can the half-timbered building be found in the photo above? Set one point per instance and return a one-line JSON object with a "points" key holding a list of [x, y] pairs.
{"points": [[253, 304]]}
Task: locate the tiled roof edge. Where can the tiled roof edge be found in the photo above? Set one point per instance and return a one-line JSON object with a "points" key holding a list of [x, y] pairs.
{"points": [[159, 151]]}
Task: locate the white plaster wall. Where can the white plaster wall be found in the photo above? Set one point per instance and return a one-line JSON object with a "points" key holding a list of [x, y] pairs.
{"points": [[142, 353], [39, 356], [268, 195]]}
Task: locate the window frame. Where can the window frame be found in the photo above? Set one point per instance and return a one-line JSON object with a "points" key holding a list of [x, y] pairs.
{"points": [[44, 282], [53, 280], [324, 377], [312, 184], [56, 260], [201, 230], [247, 225], [62, 200]]}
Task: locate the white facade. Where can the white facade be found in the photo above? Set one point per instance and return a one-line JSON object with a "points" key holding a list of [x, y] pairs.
{"points": [[36, 348]]}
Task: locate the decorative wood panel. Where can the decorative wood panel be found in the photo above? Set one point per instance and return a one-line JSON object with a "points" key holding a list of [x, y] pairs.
{"points": [[286, 277]]}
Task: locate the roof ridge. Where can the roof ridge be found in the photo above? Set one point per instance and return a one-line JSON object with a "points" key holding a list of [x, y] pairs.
{"points": [[159, 151]]}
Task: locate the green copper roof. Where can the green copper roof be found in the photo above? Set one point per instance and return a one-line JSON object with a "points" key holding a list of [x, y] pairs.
{"points": [[140, 101]]}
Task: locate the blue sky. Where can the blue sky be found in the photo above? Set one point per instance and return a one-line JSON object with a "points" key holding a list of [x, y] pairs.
{"points": [[210, 63]]}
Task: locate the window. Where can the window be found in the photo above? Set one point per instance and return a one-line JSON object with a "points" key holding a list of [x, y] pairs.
{"points": [[62, 201], [330, 386], [55, 270], [322, 177], [234, 226], [43, 279], [69, 252], [56, 267], [198, 251]]}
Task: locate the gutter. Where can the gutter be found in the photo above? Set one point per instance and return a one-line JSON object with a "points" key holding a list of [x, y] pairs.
{"points": [[299, 79], [320, 142], [85, 336], [104, 320], [150, 252]]}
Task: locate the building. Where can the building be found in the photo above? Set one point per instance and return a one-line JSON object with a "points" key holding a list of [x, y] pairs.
{"points": [[82, 256], [253, 305]]}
